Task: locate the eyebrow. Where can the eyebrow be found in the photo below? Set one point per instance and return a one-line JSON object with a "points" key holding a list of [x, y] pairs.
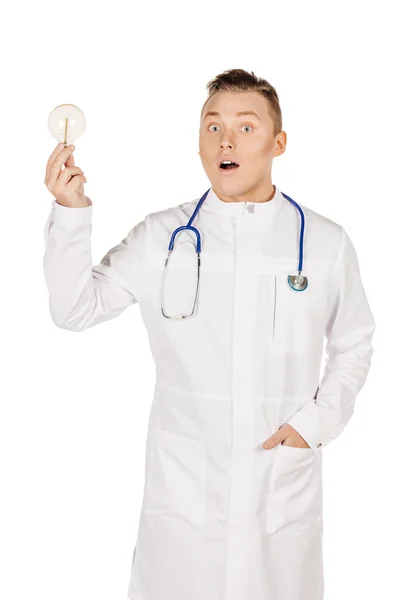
{"points": [[213, 113]]}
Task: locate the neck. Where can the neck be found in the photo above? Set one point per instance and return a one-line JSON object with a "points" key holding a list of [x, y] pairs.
{"points": [[264, 194]]}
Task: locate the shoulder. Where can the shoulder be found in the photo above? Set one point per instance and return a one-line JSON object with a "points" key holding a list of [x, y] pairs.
{"points": [[327, 234], [322, 223], [168, 216]]}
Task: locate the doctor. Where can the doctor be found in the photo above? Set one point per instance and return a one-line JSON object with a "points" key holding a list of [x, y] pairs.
{"points": [[232, 505]]}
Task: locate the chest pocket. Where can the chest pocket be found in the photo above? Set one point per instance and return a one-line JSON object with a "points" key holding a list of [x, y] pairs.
{"points": [[299, 317]]}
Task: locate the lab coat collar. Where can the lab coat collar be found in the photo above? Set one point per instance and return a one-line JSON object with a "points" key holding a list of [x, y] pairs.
{"points": [[256, 209]]}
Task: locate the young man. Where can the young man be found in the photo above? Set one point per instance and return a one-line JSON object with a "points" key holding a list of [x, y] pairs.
{"points": [[232, 506]]}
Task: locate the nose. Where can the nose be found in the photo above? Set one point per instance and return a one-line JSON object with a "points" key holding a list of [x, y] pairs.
{"points": [[227, 138]]}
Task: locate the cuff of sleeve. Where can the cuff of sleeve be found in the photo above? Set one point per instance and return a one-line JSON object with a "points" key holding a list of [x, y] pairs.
{"points": [[306, 422], [79, 214]]}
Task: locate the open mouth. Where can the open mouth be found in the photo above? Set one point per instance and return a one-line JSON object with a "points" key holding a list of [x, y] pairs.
{"points": [[228, 165]]}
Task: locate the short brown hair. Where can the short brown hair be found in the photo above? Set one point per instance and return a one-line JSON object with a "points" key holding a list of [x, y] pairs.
{"points": [[238, 80]]}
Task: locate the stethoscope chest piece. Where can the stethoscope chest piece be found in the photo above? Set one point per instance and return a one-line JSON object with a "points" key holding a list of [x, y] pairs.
{"points": [[298, 282]]}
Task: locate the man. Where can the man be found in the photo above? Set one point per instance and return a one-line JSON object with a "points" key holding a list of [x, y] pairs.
{"points": [[232, 506]]}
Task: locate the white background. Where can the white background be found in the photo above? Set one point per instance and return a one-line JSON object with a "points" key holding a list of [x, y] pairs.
{"points": [[74, 408]]}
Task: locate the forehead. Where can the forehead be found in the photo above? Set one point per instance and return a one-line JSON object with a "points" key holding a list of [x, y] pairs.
{"points": [[228, 104]]}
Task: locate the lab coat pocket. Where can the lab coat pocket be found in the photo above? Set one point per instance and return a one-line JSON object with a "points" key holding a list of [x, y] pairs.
{"points": [[299, 317], [175, 482], [294, 498]]}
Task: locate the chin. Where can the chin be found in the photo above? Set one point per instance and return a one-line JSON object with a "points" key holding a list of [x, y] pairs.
{"points": [[230, 188]]}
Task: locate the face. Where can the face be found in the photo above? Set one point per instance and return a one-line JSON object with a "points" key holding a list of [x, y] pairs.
{"points": [[246, 139]]}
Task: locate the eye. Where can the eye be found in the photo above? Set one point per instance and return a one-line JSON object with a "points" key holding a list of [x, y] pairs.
{"points": [[250, 126]]}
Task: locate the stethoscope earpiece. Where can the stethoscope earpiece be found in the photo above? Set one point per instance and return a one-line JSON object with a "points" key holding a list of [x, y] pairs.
{"points": [[298, 282]]}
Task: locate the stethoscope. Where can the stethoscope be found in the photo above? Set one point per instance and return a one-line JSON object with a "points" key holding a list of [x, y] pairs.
{"points": [[298, 282]]}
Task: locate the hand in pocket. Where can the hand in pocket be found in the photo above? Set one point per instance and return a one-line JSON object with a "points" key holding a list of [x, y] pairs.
{"points": [[287, 436]]}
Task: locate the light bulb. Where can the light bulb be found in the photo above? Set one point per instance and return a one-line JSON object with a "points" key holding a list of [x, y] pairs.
{"points": [[66, 123]]}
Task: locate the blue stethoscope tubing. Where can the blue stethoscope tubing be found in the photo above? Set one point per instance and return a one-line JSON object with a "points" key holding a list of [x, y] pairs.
{"points": [[293, 280]]}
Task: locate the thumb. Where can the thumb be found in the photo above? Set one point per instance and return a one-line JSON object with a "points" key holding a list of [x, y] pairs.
{"points": [[275, 439], [70, 161]]}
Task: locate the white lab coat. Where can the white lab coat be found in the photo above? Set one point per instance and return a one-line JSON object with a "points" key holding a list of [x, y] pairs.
{"points": [[222, 518]]}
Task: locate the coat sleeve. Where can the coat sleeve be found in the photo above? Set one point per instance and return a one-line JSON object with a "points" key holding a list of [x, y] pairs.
{"points": [[82, 295], [349, 330]]}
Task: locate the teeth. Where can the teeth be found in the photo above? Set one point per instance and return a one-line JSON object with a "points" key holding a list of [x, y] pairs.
{"points": [[226, 162]]}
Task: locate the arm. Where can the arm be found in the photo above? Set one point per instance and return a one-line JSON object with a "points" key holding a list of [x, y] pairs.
{"points": [[349, 330], [82, 295]]}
